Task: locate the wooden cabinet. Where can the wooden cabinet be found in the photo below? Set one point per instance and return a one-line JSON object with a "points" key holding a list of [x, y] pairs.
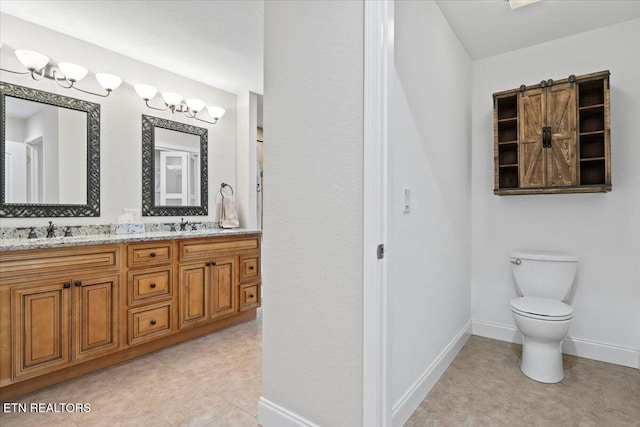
{"points": [[68, 311], [553, 137]]}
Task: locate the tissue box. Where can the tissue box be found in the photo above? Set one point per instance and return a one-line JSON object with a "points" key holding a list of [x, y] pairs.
{"points": [[129, 228]]}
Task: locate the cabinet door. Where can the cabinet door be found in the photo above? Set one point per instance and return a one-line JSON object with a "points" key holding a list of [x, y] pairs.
{"points": [[193, 294], [531, 153], [95, 316], [224, 287], [40, 328], [561, 157]]}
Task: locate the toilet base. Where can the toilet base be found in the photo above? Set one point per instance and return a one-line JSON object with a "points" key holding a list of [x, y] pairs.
{"points": [[542, 360]]}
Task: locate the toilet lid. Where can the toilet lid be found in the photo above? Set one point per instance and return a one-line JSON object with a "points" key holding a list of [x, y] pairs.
{"points": [[542, 307]]}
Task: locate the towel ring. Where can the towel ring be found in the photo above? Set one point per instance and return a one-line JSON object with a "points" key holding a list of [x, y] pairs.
{"points": [[222, 187]]}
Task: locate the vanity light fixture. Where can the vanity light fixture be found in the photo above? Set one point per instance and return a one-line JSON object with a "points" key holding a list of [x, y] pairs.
{"points": [[65, 74], [175, 102], [514, 4]]}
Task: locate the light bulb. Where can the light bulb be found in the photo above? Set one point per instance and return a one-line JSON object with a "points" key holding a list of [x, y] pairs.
{"points": [[195, 105], [215, 112], [172, 99], [32, 60], [72, 72], [145, 92], [108, 81]]}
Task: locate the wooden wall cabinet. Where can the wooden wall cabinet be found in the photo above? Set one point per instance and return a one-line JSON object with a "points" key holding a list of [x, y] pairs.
{"points": [[68, 311], [553, 137]]}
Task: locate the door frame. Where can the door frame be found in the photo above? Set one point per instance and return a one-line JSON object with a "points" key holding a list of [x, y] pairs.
{"points": [[378, 71]]}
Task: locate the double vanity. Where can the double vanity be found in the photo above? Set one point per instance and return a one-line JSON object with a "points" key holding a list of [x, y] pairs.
{"points": [[73, 305]]}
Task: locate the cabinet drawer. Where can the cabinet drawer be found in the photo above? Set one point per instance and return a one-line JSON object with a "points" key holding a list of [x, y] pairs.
{"points": [[147, 323], [203, 248], [149, 254], [52, 261], [249, 268], [249, 296], [150, 284]]}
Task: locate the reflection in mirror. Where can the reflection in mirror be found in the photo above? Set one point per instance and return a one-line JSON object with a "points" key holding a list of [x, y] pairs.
{"points": [[50, 154], [174, 168], [45, 153], [177, 168]]}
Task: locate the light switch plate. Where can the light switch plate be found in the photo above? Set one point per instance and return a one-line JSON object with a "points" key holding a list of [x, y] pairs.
{"points": [[406, 200]]}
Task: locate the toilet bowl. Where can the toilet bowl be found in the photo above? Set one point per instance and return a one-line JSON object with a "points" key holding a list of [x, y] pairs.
{"points": [[543, 281]]}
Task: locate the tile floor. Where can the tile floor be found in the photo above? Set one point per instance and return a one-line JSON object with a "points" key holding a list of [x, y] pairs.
{"points": [[212, 381], [215, 381], [485, 387]]}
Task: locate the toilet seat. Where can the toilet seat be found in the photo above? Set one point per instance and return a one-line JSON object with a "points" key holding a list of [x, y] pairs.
{"points": [[542, 308]]}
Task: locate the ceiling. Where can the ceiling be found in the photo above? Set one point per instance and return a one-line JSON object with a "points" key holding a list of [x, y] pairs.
{"points": [[490, 27], [220, 43]]}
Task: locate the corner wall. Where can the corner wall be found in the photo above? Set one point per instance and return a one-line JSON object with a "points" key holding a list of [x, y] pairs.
{"points": [[312, 241], [429, 255], [601, 229]]}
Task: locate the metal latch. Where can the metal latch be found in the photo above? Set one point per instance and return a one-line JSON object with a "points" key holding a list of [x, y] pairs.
{"points": [[380, 251]]}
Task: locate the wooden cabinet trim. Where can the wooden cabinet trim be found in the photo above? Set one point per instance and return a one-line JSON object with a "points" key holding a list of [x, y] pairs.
{"points": [[150, 322], [150, 285], [149, 254], [204, 248]]}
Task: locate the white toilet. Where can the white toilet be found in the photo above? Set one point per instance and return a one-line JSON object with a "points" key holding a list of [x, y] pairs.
{"points": [[543, 281]]}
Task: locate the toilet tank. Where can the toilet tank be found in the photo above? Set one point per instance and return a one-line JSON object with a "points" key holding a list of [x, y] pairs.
{"points": [[544, 275]]}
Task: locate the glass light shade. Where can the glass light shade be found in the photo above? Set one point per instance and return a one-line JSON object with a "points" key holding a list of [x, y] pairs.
{"points": [[215, 112], [172, 99], [32, 60], [145, 92], [72, 72], [195, 105], [108, 81], [519, 3]]}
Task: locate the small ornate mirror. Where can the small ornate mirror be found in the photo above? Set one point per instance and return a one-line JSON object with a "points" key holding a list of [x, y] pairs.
{"points": [[174, 168], [50, 154]]}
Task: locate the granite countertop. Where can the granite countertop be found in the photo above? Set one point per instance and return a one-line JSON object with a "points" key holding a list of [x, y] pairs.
{"points": [[96, 239]]}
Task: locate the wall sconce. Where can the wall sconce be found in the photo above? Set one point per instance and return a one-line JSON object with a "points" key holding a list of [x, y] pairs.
{"points": [[65, 74], [174, 102]]}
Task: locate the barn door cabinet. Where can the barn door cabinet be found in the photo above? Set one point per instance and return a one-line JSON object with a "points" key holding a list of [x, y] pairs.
{"points": [[553, 137]]}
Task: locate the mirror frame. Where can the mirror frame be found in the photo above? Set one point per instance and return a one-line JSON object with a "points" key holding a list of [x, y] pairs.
{"points": [[149, 208], [92, 207]]}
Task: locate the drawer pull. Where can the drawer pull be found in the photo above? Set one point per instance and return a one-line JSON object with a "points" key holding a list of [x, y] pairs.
{"points": [[66, 285], [152, 286], [207, 263], [152, 254], [153, 322], [250, 295], [251, 267], [77, 283], [213, 263]]}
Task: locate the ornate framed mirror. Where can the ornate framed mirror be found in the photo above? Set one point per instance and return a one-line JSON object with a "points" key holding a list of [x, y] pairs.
{"points": [[50, 154], [174, 168]]}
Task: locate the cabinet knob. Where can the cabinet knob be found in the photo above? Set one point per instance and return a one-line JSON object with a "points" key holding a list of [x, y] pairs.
{"points": [[77, 283], [152, 254], [250, 295], [66, 285], [251, 267], [153, 322], [207, 263], [152, 286], [213, 263]]}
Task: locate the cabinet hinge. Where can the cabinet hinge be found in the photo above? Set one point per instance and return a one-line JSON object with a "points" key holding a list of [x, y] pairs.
{"points": [[380, 251]]}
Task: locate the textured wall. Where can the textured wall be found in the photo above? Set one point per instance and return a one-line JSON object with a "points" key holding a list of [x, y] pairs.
{"points": [[601, 229], [313, 115], [120, 125]]}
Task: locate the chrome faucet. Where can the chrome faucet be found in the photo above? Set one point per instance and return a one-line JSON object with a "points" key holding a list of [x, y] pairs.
{"points": [[183, 224], [51, 229]]}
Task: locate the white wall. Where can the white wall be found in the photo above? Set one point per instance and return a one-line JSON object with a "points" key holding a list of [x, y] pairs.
{"points": [[601, 229], [312, 245], [429, 253], [120, 144], [246, 154]]}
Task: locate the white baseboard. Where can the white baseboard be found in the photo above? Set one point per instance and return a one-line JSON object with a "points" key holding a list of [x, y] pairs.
{"points": [[576, 346], [406, 406], [272, 415]]}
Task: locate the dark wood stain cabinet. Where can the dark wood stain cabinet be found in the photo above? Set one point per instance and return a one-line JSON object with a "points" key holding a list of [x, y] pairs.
{"points": [[553, 137]]}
